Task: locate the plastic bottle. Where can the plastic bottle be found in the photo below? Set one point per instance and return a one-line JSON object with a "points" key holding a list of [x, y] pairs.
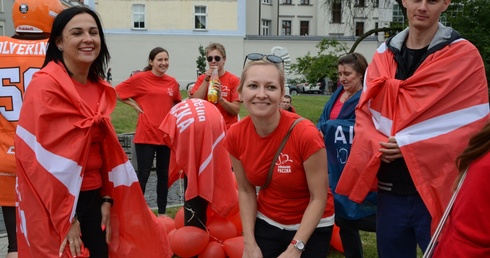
{"points": [[212, 88]]}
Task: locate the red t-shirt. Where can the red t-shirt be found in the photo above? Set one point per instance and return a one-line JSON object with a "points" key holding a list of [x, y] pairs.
{"points": [[287, 196], [467, 230], [155, 96], [229, 91], [337, 106]]}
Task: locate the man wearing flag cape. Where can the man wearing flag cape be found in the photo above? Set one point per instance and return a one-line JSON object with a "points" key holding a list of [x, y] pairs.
{"points": [[425, 95], [77, 194]]}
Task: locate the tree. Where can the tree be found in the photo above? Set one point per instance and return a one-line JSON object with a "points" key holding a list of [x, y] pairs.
{"points": [[201, 61], [471, 19], [323, 64]]}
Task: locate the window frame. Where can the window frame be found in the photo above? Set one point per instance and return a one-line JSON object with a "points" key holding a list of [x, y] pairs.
{"points": [[197, 15], [337, 11], [304, 2], [266, 28], [286, 28], [359, 29], [301, 28], [136, 14]]}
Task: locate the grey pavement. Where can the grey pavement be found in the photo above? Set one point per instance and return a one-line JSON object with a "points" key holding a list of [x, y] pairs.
{"points": [[175, 198]]}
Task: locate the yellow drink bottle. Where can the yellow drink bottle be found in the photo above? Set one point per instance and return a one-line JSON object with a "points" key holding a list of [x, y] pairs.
{"points": [[212, 88]]}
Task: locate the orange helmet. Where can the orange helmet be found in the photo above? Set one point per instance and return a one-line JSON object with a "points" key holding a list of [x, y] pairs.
{"points": [[35, 16]]}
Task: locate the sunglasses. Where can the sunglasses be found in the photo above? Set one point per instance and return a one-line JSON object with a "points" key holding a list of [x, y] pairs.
{"points": [[257, 56], [216, 58]]}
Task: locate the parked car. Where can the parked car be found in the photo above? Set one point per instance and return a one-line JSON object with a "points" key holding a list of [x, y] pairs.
{"points": [[293, 90], [309, 88]]}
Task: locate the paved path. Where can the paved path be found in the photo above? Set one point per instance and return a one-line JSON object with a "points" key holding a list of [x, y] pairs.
{"points": [[175, 197]]}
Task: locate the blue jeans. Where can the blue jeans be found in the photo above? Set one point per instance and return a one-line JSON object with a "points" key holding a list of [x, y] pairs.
{"points": [[403, 221], [145, 154]]}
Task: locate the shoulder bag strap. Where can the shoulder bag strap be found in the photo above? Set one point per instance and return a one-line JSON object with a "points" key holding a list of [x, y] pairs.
{"points": [[271, 168]]}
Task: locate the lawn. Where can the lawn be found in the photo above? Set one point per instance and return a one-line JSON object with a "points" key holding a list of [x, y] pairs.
{"points": [[309, 106]]}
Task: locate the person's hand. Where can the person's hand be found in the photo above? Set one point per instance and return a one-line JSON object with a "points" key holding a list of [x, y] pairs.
{"points": [[390, 150], [291, 252], [73, 240], [106, 220], [138, 109], [210, 71], [252, 252]]}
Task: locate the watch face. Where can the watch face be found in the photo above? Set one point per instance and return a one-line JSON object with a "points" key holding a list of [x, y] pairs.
{"points": [[300, 245]]}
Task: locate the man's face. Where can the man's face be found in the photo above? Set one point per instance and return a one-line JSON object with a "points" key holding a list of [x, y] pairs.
{"points": [[424, 14], [286, 103]]}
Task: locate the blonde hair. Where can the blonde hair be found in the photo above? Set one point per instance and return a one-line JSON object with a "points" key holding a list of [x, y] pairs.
{"points": [[262, 62]]}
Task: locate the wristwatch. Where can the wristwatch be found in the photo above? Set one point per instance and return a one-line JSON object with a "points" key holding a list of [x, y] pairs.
{"points": [[298, 244]]}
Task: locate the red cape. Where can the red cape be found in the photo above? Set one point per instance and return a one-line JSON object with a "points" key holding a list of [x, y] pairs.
{"points": [[195, 131], [52, 143], [432, 114]]}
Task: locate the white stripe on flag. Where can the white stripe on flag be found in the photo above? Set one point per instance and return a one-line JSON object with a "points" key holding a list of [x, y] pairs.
{"points": [[65, 170], [441, 125], [210, 157], [381, 123], [123, 174]]}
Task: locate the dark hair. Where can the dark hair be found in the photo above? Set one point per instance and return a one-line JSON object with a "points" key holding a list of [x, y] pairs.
{"points": [[54, 54], [288, 97], [358, 62], [153, 53], [478, 146]]}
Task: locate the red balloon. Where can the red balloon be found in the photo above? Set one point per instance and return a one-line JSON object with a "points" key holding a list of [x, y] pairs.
{"points": [[189, 241], [335, 241], [213, 250], [234, 247], [171, 233], [179, 218], [221, 229], [237, 221], [167, 222]]}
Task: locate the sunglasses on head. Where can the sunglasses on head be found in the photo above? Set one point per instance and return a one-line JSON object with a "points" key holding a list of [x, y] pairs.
{"points": [[257, 56], [216, 58]]}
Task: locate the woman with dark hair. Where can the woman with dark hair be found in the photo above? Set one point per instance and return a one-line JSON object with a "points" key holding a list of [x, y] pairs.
{"points": [[74, 180], [467, 230], [337, 123], [152, 93]]}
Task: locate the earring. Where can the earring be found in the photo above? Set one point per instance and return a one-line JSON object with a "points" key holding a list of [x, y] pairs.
{"points": [[60, 49]]}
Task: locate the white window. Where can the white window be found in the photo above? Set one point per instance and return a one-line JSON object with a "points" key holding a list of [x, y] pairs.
{"points": [[139, 16], [305, 2], [200, 17], [266, 24], [286, 2], [398, 15], [266, 1], [286, 28]]}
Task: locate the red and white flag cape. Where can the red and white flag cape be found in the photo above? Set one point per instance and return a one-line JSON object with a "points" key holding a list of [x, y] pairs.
{"points": [[432, 115], [52, 143], [195, 131]]}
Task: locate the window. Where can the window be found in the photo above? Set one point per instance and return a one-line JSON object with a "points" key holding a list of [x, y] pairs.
{"points": [[266, 1], [286, 2], [454, 9], [360, 3], [398, 18], [359, 28], [200, 17], [286, 28], [375, 3], [138, 16], [266, 24], [305, 2], [337, 11], [304, 28]]}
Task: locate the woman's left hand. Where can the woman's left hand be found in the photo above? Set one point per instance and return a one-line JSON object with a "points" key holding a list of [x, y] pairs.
{"points": [[73, 240], [106, 220]]}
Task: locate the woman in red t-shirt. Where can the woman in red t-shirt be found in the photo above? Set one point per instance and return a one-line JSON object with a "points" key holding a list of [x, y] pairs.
{"points": [[291, 217], [152, 93]]}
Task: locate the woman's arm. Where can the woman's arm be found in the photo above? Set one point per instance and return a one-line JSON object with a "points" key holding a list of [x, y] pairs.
{"points": [[131, 103], [247, 198], [317, 178]]}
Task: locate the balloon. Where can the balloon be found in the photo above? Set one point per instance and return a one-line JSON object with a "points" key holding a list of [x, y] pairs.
{"points": [[335, 241], [179, 218], [189, 241], [167, 222], [234, 217], [221, 228], [213, 250], [234, 247]]}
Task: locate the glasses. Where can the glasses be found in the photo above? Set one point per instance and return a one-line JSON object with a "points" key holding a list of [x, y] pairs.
{"points": [[257, 56], [216, 58]]}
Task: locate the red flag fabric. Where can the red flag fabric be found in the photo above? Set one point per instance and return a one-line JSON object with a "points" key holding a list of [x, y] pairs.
{"points": [[432, 114], [52, 143], [194, 130]]}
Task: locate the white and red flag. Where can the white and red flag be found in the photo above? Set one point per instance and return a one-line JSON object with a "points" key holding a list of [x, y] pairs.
{"points": [[52, 143], [432, 115]]}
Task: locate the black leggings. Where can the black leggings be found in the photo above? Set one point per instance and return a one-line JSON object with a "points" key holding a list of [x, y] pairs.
{"points": [[90, 217], [145, 154], [195, 211], [9, 217]]}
